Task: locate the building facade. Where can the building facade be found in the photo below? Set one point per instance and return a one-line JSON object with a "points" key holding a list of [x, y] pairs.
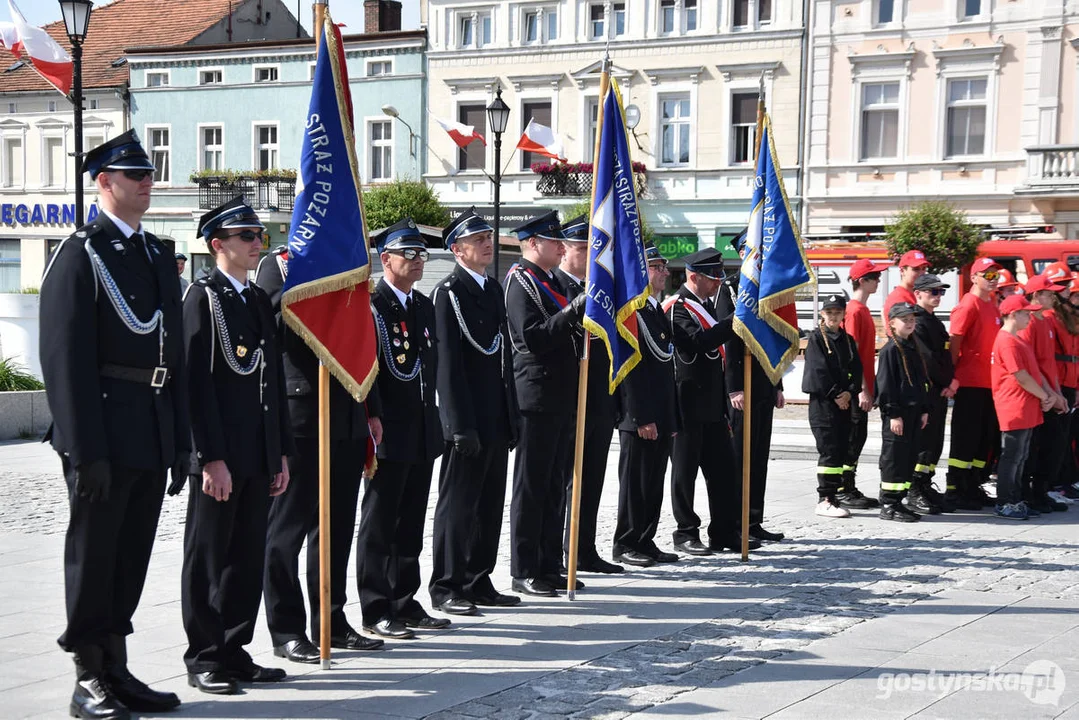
{"points": [[690, 68], [969, 100]]}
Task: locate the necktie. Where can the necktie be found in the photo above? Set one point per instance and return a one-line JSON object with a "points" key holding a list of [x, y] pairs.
{"points": [[139, 242], [249, 300]]}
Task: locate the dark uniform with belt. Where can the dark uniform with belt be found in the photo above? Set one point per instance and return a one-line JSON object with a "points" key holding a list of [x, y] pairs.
{"points": [[395, 502], [704, 442], [598, 427], [931, 338], [112, 361], [478, 407], [646, 397], [542, 325], [294, 515], [238, 417]]}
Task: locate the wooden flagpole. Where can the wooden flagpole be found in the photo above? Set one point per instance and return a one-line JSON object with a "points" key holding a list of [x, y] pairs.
{"points": [[582, 377], [747, 369], [323, 460]]}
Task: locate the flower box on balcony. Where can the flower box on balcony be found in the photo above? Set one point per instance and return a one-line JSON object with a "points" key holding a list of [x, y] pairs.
{"points": [[576, 178], [273, 190]]}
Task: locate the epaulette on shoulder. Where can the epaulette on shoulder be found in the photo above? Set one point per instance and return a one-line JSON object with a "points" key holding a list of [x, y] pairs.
{"points": [[201, 282]]}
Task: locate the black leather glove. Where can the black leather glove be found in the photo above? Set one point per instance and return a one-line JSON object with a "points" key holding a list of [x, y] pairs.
{"points": [[576, 307], [467, 443], [92, 480], [179, 471]]}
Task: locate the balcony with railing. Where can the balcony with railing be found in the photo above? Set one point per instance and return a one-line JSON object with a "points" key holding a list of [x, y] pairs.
{"points": [[273, 192], [1053, 167], [575, 179]]}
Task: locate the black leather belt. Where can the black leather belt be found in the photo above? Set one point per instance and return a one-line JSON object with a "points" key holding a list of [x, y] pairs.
{"points": [[1067, 358], [154, 377]]}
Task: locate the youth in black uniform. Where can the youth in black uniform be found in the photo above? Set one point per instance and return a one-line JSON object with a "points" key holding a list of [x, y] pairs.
{"points": [[599, 417], [704, 442], [543, 327], [239, 421], [832, 376], [648, 420], [902, 381], [294, 514], [931, 338], [478, 406], [112, 360], [395, 502]]}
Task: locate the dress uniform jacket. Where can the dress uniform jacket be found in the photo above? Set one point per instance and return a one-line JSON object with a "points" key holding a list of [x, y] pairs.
{"points": [[698, 368], [932, 340], [832, 368], [96, 417], [647, 395], [600, 399]]}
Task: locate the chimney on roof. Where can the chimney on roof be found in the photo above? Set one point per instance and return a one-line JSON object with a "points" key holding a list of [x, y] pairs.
{"points": [[381, 15]]}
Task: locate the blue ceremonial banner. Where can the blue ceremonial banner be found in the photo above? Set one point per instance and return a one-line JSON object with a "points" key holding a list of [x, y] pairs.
{"points": [[617, 268], [326, 299], [773, 270]]}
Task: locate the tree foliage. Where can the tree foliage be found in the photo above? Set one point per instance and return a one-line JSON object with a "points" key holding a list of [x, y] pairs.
{"points": [[938, 229], [584, 208], [386, 204]]}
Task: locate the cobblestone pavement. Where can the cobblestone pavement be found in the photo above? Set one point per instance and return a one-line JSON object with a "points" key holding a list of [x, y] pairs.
{"points": [[828, 577]]}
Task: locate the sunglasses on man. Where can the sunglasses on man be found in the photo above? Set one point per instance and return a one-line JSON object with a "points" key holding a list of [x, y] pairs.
{"points": [[936, 292], [990, 275], [137, 175], [246, 235], [412, 254]]}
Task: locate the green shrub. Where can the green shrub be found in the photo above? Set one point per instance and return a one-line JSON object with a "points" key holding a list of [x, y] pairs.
{"points": [[383, 205], [13, 377], [938, 229]]}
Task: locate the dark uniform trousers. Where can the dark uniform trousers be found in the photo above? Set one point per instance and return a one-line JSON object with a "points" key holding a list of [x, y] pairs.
{"points": [[898, 455], [598, 432], [761, 419], [831, 430], [974, 430], [931, 444], [707, 446], [1043, 457], [293, 518], [859, 433], [642, 465], [222, 572], [536, 508], [1063, 471]]}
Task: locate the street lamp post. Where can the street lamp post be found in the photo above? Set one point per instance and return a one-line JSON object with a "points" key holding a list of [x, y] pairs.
{"points": [[498, 116], [76, 21]]}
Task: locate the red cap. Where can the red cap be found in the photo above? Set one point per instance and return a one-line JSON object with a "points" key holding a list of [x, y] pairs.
{"points": [[913, 258], [1014, 303], [1006, 279], [1057, 271], [984, 263], [1041, 282], [864, 266]]}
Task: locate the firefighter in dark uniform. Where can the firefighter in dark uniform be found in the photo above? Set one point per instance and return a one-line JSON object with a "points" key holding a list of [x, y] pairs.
{"points": [[543, 325], [832, 377], [931, 338], [294, 514], [766, 397], [648, 421], [239, 422], [112, 361], [704, 441], [395, 502], [600, 416], [478, 407]]}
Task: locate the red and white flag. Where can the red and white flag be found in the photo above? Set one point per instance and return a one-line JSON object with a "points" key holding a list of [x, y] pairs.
{"points": [[541, 140], [49, 59], [461, 134], [9, 38]]}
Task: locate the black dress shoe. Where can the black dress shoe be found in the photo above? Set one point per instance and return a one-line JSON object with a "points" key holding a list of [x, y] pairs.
{"points": [[732, 543], [759, 533], [561, 582], [93, 699], [497, 600], [599, 565], [352, 640], [137, 695], [299, 651], [534, 586], [632, 557], [457, 606], [393, 629], [214, 682], [426, 622], [256, 674], [692, 547], [663, 557]]}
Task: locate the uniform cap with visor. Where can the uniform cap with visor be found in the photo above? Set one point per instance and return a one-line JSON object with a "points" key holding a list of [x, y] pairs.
{"points": [[233, 215], [123, 152]]}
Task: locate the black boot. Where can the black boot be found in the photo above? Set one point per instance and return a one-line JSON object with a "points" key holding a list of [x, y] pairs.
{"points": [[850, 497], [131, 691], [918, 499], [93, 699]]}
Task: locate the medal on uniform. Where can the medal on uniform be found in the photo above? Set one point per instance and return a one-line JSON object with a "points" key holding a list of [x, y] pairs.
{"points": [[406, 344], [396, 329], [400, 359], [241, 351], [404, 331], [396, 342]]}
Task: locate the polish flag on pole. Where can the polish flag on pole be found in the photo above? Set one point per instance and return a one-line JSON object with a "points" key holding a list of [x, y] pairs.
{"points": [[9, 38], [49, 59], [461, 134], [541, 140]]}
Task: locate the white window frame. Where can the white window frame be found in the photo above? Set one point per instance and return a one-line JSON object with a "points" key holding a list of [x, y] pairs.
{"points": [[588, 141], [93, 104], [369, 147], [256, 146], [675, 7], [753, 14], [12, 108], [984, 11], [966, 103], [611, 25], [147, 138], [265, 66], [220, 70], [201, 148], [876, 69], [524, 98], [684, 20], [473, 99], [731, 161], [51, 107], [859, 116], [52, 132], [897, 14], [967, 62], [311, 71], [590, 33], [388, 62], [12, 133], [166, 74], [675, 90], [477, 16]]}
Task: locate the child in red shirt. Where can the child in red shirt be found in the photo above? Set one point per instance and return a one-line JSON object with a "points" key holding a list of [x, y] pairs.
{"points": [[1019, 399]]}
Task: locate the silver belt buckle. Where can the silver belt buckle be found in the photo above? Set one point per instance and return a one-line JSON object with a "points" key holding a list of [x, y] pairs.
{"points": [[161, 374]]}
